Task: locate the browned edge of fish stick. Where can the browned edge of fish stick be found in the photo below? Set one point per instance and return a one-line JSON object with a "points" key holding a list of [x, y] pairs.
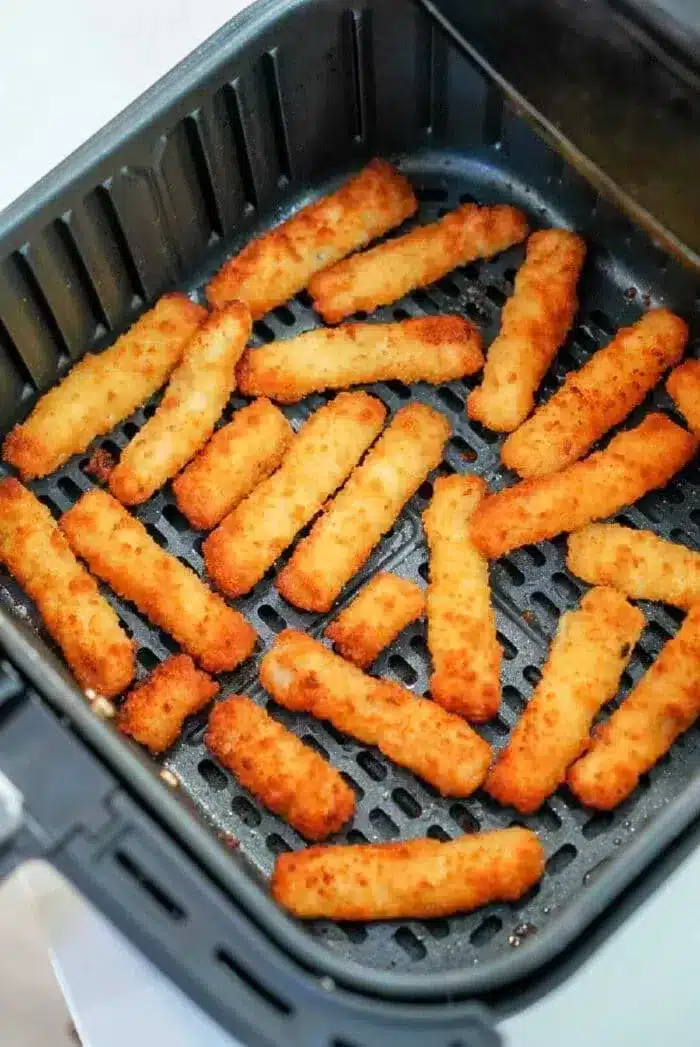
{"points": [[683, 385], [375, 617], [324, 451], [430, 349], [154, 712], [586, 660], [277, 265], [416, 879], [103, 389], [75, 613], [281, 772], [119, 550], [238, 457], [598, 396], [664, 704], [425, 254], [634, 462]]}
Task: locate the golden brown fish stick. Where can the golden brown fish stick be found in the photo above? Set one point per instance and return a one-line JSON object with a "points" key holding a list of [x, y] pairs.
{"points": [[634, 462], [281, 772], [376, 616], [461, 624], [276, 266], [390, 270], [598, 396], [586, 660], [303, 675], [323, 452], [665, 702], [343, 537], [104, 388], [418, 879], [637, 563], [683, 385], [75, 613], [427, 349], [191, 406], [238, 457], [119, 549], [534, 323], [154, 712]]}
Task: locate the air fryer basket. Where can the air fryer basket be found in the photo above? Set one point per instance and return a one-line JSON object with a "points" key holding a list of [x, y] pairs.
{"points": [[273, 111]]}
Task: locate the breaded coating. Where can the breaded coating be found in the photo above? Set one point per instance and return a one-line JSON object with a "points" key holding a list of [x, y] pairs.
{"points": [[425, 349], [637, 563], [461, 624], [376, 616], [323, 452], [343, 537], [280, 771], [598, 396], [103, 388], [72, 608], [586, 660], [392, 269], [418, 879], [118, 549], [534, 323], [154, 712], [238, 457], [197, 393], [665, 702], [683, 386], [303, 675], [633, 463], [279, 264]]}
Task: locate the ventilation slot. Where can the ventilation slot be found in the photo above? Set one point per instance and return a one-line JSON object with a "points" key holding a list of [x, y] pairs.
{"points": [[212, 775], [486, 931], [157, 893], [108, 213], [358, 68], [232, 104], [412, 946], [224, 957], [270, 68], [202, 171]]}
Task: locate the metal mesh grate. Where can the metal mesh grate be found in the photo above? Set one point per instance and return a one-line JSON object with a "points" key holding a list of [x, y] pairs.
{"points": [[531, 588]]}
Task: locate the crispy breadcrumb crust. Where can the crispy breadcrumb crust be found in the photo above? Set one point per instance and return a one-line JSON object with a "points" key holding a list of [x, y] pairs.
{"points": [[153, 713], [375, 617]]}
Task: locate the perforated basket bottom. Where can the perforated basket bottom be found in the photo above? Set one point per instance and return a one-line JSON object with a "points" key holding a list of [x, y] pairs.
{"points": [[531, 588]]}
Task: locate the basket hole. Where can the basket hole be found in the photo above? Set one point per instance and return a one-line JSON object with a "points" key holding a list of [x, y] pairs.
{"points": [[130, 429], [598, 824], [313, 743], [149, 410], [383, 824], [496, 295], [168, 642], [147, 659], [158, 894], [263, 331], [561, 859], [371, 765], [399, 389], [50, 505], [466, 198], [356, 837], [509, 275], [285, 315], [424, 571], [417, 643], [513, 699], [401, 314], [549, 609], [603, 321], [343, 740], [569, 590], [450, 399], [462, 448], [487, 435], [155, 534], [276, 845], [547, 819], [356, 788], [354, 932], [436, 832], [437, 928], [477, 313], [423, 301], [532, 674], [412, 946], [406, 803], [304, 299], [535, 554], [486, 931], [271, 618], [471, 271], [514, 575], [69, 488], [245, 810], [585, 339], [463, 818], [509, 648], [425, 491], [448, 287], [658, 634], [431, 194], [175, 518], [212, 775], [400, 668]]}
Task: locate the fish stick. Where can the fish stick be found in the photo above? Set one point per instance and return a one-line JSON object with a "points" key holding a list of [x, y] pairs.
{"points": [[461, 624], [343, 537], [154, 712], [683, 385], [120, 551], [103, 388], [390, 270], [431, 349], [238, 457], [72, 608], [588, 655], [303, 675], [633, 463], [281, 772], [664, 704], [276, 266], [196, 395], [598, 396], [381, 609], [418, 879], [637, 563], [256, 532], [534, 323]]}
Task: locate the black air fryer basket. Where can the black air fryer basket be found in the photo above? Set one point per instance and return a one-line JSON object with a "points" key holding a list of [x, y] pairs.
{"points": [[584, 116]]}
